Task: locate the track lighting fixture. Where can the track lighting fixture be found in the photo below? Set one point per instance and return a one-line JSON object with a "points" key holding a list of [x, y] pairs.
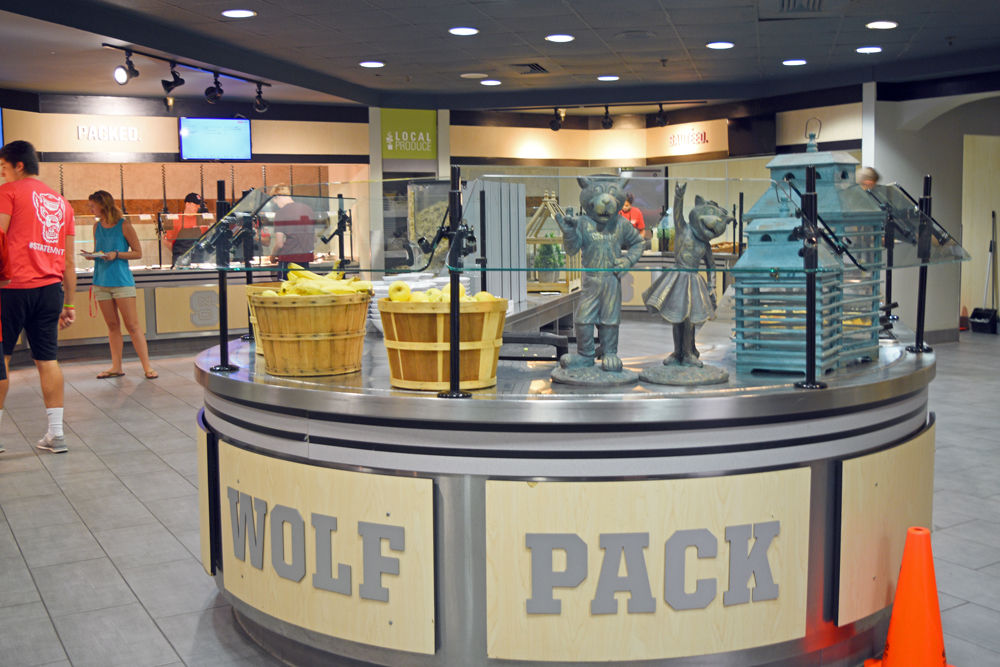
{"points": [[606, 122], [125, 73], [660, 119], [175, 81], [214, 92], [556, 122], [259, 104]]}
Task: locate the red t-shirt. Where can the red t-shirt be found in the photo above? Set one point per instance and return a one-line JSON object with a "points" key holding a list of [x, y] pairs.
{"points": [[634, 216], [40, 221]]}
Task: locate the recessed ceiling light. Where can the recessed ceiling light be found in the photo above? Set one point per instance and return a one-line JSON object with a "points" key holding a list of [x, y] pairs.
{"points": [[239, 13], [881, 25], [720, 45], [473, 75], [793, 62], [559, 38], [462, 31], [608, 77], [489, 82], [869, 49], [372, 64]]}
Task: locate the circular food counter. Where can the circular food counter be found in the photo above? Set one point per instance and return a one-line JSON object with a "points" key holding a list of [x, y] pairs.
{"points": [[739, 524]]}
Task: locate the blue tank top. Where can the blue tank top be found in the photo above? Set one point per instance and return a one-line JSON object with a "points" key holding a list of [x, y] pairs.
{"points": [[116, 272]]}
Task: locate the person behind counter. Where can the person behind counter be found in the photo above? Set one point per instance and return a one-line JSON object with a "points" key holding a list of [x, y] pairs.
{"points": [[867, 178], [294, 238], [39, 226], [187, 228], [632, 214], [116, 242]]}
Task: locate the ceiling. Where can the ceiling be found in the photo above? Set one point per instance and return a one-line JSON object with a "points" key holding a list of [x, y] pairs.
{"points": [[310, 49]]}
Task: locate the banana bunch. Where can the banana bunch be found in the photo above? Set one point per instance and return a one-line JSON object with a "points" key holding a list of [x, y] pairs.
{"points": [[302, 282], [400, 291]]}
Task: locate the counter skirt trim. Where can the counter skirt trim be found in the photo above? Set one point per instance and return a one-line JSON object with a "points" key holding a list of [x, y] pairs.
{"points": [[586, 454]]}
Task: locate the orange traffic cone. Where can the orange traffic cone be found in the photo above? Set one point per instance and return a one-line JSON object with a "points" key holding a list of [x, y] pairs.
{"points": [[915, 638]]}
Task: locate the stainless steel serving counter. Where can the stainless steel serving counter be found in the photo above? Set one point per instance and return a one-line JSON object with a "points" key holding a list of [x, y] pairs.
{"points": [[518, 506]]}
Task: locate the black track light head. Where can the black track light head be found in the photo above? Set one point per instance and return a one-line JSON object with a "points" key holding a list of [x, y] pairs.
{"points": [[660, 119], [125, 73], [260, 105], [214, 92], [175, 80], [607, 122], [555, 122]]}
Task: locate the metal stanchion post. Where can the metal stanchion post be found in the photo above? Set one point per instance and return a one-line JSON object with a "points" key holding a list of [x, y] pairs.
{"points": [[924, 253], [456, 245], [810, 262]]}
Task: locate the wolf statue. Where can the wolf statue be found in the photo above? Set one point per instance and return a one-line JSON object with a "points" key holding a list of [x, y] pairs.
{"points": [[683, 297], [606, 241]]}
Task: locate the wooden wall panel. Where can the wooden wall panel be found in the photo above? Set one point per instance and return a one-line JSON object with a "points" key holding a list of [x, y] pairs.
{"points": [[883, 494]]}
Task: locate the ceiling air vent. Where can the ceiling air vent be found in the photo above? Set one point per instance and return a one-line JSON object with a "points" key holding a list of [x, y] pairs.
{"points": [[529, 68], [783, 10]]}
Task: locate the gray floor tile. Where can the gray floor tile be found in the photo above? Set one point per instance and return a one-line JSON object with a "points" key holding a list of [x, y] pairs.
{"points": [[82, 460], [949, 545], [52, 545], [27, 637], [16, 462], [38, 511], [118, 511], [83, 486], [210, 637], [121, 441], [123, 635], [137, 546], [191, 539], [16, 584], [966, 584], [185, 463], [26, 484], [179, 514], [992, 570], [169, 589], [963, 653], [8, 546], [946, 601], [82, 586], [129, 463], [975, 624], [164, 484], [170, 443], [979, 531]]}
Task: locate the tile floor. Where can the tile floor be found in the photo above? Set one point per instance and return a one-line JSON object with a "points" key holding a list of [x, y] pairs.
{"points": [[98, 547]]}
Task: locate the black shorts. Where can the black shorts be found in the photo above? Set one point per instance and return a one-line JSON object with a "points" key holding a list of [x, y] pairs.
{"points": [[35, 311]]}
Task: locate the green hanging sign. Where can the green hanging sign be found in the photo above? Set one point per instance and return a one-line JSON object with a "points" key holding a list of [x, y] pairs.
{"points": [[409, 134]]}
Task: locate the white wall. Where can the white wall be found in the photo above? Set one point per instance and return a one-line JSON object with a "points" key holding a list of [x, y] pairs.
{"points": [[935, 148]]}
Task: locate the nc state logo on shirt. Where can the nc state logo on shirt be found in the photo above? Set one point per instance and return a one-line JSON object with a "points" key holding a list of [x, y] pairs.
{"points": [[51, 212]]}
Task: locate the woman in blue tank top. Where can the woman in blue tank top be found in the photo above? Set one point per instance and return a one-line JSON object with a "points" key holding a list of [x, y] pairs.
{"points": [[115, 242]]}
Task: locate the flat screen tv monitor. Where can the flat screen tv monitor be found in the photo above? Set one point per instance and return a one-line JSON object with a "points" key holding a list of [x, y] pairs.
{"points": [[215, 139]]}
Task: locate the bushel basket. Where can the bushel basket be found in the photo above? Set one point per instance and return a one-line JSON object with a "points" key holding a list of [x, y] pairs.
{"points": [[320, 334], [418, 341]]}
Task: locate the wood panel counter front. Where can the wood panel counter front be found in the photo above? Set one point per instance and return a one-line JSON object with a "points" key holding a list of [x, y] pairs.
{"points": [[640, 570]]}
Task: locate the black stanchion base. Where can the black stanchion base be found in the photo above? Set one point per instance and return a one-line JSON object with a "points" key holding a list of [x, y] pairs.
{"points": [[810, 385], [454, 394], [924, 347], [224, 368], [247, 337]]}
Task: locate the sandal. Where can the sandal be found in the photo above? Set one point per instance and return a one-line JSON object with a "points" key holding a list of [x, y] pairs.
{"points": [[152, 375], [109, 374]]}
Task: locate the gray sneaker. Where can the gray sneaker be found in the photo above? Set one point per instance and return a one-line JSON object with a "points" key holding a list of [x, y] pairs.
{"points": [[2, 450], [56, 444]]}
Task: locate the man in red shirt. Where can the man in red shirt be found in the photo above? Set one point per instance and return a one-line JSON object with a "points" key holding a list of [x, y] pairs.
{"points": [[632, 214], [39, 298]]}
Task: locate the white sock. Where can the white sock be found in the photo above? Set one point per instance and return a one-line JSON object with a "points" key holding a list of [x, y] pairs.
{"points": [[55, 421], [1, 415]]}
